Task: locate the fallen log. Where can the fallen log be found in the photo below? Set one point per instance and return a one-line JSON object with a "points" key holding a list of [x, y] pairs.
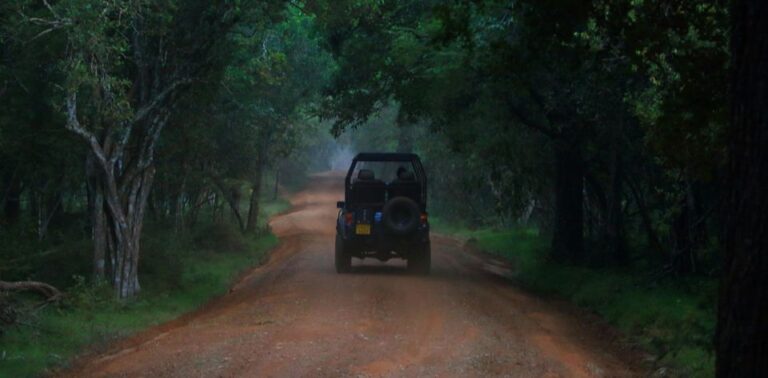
{"points": [[50, 293]]}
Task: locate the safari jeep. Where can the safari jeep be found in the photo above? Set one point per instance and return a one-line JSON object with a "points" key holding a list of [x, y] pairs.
{"points": [[384, 212]]}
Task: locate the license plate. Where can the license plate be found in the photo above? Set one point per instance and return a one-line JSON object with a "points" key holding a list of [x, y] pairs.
{"points": [[363, 229]]}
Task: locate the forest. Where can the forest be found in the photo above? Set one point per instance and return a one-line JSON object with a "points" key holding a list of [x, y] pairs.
{"points": [[613, 151]]}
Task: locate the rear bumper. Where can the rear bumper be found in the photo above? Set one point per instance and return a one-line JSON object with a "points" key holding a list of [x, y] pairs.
{"points": [[381, 242]]}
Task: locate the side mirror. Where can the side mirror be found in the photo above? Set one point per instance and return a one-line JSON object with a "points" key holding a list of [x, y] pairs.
{"points": [[340, 205]]}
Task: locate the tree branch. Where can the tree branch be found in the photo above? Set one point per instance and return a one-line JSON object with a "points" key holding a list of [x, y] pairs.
{"points": [[155, 102], [73, 124], [50, 293]]}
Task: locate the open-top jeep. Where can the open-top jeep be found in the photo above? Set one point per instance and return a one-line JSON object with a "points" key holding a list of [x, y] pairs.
{"points": [[384, 214]]}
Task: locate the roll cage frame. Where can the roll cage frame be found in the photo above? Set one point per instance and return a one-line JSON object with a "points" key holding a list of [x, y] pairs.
{"points": [[419, 172]]}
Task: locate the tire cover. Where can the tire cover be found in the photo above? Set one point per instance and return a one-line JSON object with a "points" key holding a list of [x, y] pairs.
{"points": [[401, 215]]}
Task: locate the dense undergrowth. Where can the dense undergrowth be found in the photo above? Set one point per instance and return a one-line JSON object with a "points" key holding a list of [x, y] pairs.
{"points": [[179, 272], [671, 317]]}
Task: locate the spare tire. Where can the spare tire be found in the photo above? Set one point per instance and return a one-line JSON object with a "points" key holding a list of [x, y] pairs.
{"points": [[401, 215]]}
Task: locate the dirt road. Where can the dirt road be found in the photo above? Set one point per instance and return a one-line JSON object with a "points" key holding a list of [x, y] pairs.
{"points": [[295, 316]]}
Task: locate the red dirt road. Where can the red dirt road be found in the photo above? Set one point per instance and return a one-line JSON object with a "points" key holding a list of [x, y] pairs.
{"points": [[294, 316]]}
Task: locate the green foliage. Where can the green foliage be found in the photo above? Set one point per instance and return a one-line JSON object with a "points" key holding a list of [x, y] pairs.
{"points": [[55, 259], [634, 88], [179, 273], [254, 114], [686, 64]]}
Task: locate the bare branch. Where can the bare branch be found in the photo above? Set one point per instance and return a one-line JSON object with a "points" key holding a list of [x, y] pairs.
{"points": [[50, 8], [147, 109], [73, 124], [155, 136], [299, 7], [49, 292], [41, 34], [146, 155]]}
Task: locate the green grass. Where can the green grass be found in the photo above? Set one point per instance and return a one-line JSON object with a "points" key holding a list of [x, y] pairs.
{"points": [[178, 274], [674, 319], [274, 207]]}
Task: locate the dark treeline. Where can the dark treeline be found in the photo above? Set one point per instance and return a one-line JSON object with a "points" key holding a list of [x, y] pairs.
{"points": [[604, 125]]}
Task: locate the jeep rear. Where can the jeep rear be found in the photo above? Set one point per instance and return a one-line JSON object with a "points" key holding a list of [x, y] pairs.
{"points": [[384, 214]]}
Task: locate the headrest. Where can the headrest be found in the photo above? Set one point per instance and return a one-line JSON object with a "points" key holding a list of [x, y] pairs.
{"points": [[406, 176], [365, 174]]}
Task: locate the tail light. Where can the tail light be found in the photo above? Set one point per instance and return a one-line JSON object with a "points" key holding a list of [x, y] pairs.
{"points": [[348, 218], [423, 218]]}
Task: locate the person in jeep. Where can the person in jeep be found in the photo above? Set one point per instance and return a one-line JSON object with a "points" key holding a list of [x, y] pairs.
{"points": [[402, 174], [384, 220]]}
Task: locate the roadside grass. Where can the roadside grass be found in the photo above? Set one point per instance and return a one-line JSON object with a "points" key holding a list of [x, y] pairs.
{"points": [[178, 272], [273, 207], [672, 318]]}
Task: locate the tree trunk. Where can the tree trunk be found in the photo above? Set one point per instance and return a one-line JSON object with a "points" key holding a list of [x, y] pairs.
{"points": [[216, 208], [277, 182], [614, 227], [253, 208], [232, 197], [568, 233], [742, 328], [125, 189], [235, 195], [525, 217], [596, 216], [688, 233], [125, 227], [98, 221], [99, 235], [198, 199], [12, 203], [46, 205], [50, 208], [653, 237], [178, 211]]}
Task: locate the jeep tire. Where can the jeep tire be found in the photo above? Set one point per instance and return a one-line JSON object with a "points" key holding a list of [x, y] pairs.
{"points": [[343, 259], [420, 260]]}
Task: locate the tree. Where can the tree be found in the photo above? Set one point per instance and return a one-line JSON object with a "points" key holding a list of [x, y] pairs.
{"points": [[742, 329], [125, 66], [274, 75]]}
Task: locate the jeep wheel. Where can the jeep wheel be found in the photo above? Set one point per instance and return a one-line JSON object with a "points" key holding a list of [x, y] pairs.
{"points": [[343, 259], [420, 262]]}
